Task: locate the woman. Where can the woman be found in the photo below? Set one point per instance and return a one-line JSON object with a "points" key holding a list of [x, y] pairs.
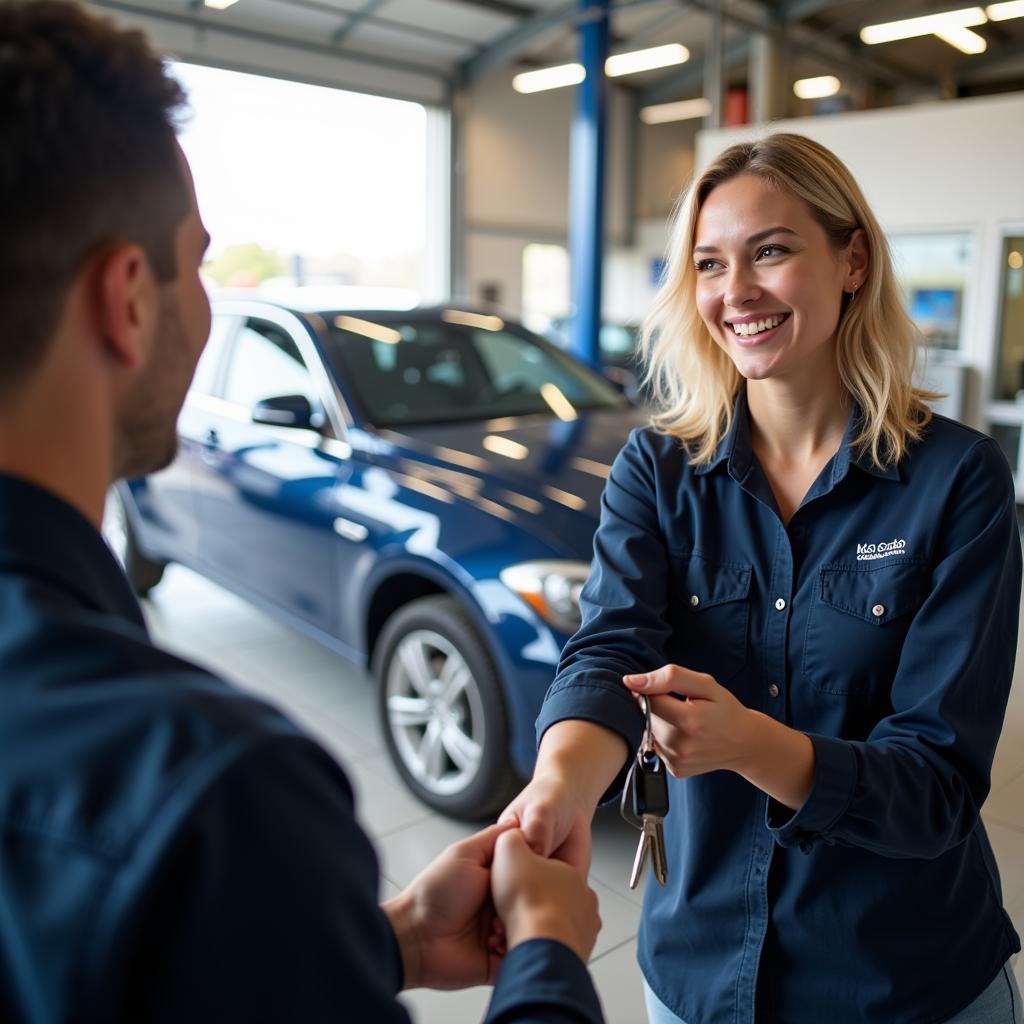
{"points": [[830, 575]]}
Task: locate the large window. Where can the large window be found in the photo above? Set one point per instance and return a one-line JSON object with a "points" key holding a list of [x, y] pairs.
{"points": [[301, 184], [934, 272], [1009, 369]]}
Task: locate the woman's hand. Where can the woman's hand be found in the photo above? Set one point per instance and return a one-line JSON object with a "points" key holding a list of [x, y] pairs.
{"points": [[553, 820], [707, 731], [711, 730]]}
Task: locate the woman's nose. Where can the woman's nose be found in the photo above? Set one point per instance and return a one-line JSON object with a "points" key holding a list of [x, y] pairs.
{"points": [[741, 286]]}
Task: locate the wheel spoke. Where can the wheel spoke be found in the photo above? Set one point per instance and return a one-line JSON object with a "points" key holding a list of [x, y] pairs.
{"points": [[431, 751], [463, 751], [417, 669], [405, 712], [455, 676]]}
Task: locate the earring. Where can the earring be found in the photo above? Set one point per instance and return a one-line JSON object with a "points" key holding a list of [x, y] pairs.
{"points": [[851, 294]]}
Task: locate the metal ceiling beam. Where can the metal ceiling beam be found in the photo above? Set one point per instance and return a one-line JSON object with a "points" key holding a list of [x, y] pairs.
{"points": [[514, 44], [354, 20], [209, 25], [512, 10], [1009, 53]]}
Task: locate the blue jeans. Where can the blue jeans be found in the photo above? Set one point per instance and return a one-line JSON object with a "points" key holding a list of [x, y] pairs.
{"points": [[1000, 1003]]}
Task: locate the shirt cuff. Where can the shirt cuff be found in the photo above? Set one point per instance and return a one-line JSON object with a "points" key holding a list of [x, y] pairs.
{"points": [[540, 975], [835, 779], [610, 706]]}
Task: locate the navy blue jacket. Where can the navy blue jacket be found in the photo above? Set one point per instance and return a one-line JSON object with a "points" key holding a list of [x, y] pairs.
{"points": [[171, 849], [882, 622]]}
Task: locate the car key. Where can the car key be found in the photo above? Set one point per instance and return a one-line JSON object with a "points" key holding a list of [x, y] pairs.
{"points": [[646, 791]]}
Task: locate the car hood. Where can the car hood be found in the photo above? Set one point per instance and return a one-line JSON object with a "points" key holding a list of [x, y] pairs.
{"points": [[538, 471]]}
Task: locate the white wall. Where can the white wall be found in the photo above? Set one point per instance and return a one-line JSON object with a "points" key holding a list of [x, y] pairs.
{"points": [[957, 165]]}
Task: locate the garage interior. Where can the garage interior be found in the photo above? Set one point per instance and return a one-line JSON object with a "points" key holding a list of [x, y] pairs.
{"points": [[505, 175]]}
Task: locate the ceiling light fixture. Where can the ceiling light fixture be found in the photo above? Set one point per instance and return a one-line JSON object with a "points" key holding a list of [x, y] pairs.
{"points": [[219, 5], [549, 78], [682, 110], [816, 88], [929, 24], [646, 60], [963, 39], [1003, 12]]}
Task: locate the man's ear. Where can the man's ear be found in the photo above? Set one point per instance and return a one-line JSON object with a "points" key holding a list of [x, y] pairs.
{"points": [[127, 303]]}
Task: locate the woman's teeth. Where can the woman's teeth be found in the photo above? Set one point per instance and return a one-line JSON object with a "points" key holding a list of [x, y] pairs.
{"points": [[757, 326]]}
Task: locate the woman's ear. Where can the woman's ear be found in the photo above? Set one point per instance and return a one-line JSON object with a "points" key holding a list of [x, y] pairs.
{"points": [[127, 301], [858, 260]]}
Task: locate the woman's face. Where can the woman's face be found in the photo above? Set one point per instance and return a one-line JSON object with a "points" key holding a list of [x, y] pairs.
{"points": [[769, 284]]}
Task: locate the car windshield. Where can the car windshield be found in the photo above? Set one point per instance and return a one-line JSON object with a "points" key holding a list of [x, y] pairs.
{"points": [[458, 366]]}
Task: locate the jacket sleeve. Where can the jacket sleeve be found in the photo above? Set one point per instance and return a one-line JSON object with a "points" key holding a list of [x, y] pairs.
{"points": [[623, 604], [543, 982], [915, 786], [262, 904]]}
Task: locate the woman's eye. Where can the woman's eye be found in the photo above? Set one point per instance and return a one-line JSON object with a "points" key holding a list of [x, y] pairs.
{"points": [[705, 265], [771, 250]]}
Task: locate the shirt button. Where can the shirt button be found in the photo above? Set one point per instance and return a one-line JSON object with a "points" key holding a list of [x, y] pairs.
{"points": [[878, 611], [780, 604], [773, 690], [694, 600]]}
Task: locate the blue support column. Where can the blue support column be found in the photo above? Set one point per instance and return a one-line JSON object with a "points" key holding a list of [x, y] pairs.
{"points": [[586, 183]]}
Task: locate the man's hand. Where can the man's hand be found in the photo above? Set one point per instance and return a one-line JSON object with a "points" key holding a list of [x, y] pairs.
{"points": [[444, 919], [538, 898]]}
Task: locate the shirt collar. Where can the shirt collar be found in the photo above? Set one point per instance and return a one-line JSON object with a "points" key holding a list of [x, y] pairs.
{"points": [[736, 451], [43, 536]]}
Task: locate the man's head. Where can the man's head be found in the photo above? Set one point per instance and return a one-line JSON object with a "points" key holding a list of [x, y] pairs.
{"points": [[95, 195]]}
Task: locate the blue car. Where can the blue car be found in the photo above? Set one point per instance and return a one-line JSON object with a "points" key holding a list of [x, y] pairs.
{"points": [[416, 489]]}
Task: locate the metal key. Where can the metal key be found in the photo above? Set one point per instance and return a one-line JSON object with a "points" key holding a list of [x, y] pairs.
{"points": [[646, 797]]}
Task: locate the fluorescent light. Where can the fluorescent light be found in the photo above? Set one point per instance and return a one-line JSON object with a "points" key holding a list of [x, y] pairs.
{"points": [[560, 405], [963, 39], [485, 323], [549, 78], [816, 88], [219, 5], [646, 60], [923, 26], [505, 446], [1003, 12], [683, 110], [367, 329]]}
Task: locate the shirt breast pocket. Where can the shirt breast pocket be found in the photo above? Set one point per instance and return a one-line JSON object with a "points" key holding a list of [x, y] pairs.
{"points": [[857, 624], [711, 615]]}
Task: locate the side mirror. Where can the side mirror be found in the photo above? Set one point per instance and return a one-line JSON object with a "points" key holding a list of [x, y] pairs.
{"points": [[287, 411]]}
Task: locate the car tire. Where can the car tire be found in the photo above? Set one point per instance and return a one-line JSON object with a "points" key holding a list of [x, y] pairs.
{"points": [[435, 676], [143, 573]]}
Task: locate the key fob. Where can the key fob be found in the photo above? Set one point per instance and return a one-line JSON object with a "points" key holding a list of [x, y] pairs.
{"points": [[649, 790]]}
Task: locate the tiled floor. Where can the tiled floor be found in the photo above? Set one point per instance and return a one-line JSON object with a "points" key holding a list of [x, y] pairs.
{"points": [[335, 702]]}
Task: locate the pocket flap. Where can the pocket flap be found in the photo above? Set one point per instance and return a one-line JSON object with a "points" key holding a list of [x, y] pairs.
{"points": [[713, 583], [877, 595]]}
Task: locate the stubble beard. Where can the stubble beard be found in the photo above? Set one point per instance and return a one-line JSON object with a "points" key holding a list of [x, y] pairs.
{"points": [[147, 436]]}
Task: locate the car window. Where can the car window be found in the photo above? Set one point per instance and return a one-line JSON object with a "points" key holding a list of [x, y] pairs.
{"points": [[222, 328], [266, 363], [430, 370]]}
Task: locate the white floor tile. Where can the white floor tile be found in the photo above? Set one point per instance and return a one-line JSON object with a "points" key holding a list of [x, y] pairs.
{"points": [[619, 985]]}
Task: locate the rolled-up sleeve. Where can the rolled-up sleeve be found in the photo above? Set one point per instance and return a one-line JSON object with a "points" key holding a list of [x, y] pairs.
{"points": [[623, 605], [914, 787]]}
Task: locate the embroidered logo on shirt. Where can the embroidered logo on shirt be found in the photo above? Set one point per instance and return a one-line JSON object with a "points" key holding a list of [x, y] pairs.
{"points": [[883, 549]]}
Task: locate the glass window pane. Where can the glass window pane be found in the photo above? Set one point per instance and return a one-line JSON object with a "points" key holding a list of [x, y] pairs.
{"points": [[265, 363], [1009, 378], [934, 273]]}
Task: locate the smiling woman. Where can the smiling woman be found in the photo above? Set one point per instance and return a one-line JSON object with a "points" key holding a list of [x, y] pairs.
{"points": [[829, 576]]}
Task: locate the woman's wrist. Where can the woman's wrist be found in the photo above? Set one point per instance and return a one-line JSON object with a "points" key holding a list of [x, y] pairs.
{"points": [[776, 759]]}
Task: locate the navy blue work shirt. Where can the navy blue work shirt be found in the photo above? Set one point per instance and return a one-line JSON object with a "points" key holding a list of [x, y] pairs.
{"points": [[171, 849], [882, 622]]}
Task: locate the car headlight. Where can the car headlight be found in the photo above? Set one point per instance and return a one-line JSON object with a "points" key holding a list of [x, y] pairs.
{"points": [[551, 589]]}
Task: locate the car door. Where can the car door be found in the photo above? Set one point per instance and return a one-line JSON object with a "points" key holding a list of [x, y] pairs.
{"points": [[265, 492]]}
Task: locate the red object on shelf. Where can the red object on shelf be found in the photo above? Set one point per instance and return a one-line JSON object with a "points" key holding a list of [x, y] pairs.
{"points": [[735, 107]]}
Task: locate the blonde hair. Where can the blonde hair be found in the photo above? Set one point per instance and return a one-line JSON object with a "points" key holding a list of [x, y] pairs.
{"points": [[694, 383]]}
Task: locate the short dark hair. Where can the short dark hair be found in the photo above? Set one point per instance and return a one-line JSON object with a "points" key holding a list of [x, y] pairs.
{"points": [[88, 158]]}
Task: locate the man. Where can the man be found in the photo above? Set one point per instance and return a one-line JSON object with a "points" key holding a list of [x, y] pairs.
{"points": [[171, 849]]}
